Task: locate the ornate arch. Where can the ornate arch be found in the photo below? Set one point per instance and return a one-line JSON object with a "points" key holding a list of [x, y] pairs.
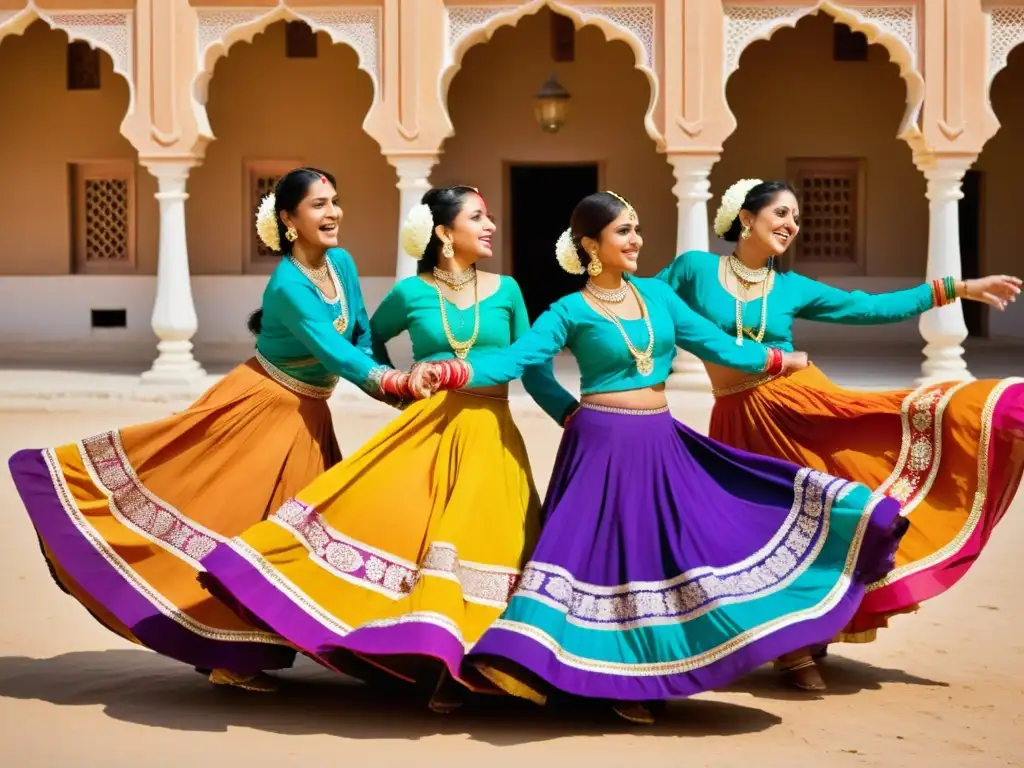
{"points": [[1005, 32], [469, 25], [112, 32], [220, 28], [894, 27]]}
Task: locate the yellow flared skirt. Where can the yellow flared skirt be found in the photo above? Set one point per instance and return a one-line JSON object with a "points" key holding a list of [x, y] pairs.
{"points": [[402, 554]]}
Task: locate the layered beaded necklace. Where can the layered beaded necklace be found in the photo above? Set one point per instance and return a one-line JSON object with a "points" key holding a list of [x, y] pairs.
{"points": [[321, 276], [644, 359], [748, 277]]}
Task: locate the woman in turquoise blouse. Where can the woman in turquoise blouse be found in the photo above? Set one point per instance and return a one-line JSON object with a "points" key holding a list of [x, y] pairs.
{"points": [[404, 553], [124, 517], [669, 564], [949, 454]]}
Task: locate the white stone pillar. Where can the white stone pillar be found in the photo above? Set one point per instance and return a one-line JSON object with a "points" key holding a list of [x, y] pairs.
{"points": [[944, 329], [174, 313], [413, 182], [692, 191]]}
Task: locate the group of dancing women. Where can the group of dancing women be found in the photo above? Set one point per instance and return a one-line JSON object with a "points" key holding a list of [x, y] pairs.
{"points": [[662, 563]]}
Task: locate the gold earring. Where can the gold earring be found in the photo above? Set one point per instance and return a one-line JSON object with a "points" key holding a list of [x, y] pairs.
{"points": [[292, 234], [594, 267], [745, 232], [448, 251]]}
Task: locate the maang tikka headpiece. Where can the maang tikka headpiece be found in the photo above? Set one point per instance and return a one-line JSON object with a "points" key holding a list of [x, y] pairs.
{"points": [[629, 208]]}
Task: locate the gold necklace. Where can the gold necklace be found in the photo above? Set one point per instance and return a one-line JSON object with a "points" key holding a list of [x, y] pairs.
{"points": [[323, 274], [461, 348], [455, 280], [745, 273], [616, 296], [741, 272], [644, 360], [318, 275]]}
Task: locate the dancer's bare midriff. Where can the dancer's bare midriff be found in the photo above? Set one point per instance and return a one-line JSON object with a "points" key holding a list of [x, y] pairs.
{"points": [[647, 398]]}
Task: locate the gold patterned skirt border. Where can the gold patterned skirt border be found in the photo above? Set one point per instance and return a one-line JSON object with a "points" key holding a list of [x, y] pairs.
{"points": [[291, 383]]}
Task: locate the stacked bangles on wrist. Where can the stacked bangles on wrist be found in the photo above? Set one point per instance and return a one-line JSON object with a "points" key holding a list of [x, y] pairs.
{"points": [[396, 383], [773, 366], [454, 374], [944, 291]]}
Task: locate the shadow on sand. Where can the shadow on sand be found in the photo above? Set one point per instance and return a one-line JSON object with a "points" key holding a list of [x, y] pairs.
{"points": [[140, 687], [843, 676]]}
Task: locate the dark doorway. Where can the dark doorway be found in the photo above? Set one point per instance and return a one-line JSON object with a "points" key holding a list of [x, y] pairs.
{"points": [[971, 234], [542, 198]]}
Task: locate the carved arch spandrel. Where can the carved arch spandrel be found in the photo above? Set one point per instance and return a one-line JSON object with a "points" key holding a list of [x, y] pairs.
{"points": [[896, 27], [634, 24]]}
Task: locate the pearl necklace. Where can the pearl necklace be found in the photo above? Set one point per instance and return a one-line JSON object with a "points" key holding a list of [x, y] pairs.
{"points": [[614, 296], [747, 277], [455, 280]]}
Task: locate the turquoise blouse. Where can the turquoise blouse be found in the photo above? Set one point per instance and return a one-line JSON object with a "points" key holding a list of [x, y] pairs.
{"points": [[605, 362], [694, 276], [298, 334], [413, 305]]}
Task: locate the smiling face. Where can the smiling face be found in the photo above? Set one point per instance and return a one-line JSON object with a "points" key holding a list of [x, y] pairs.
{"points": [[618, 246], [317, 217], [472, 231], [775, 226]]}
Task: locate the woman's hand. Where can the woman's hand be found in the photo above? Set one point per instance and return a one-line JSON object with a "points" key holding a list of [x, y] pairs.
{"points": [[793, 362], [995, 290], [424, 379]]}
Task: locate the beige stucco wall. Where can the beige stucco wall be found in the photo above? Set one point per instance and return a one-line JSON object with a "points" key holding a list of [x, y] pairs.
{"points": [[1002, 163], [491, 103], [264, 106], [45, 127], [792, 100]]}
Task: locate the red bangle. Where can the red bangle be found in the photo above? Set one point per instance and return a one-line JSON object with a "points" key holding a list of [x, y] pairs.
{"points": [[774, 364]]}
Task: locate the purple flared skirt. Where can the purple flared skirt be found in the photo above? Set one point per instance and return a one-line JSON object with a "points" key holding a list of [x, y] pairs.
{"points": [[670, 564]]}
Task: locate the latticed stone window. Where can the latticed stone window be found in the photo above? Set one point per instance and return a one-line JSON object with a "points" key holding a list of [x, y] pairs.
{"points": [[103, 216], [831, 195], [260, 178]]}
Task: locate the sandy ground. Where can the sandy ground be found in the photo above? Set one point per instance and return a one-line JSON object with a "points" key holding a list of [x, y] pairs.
{"points": [[943, 687]]}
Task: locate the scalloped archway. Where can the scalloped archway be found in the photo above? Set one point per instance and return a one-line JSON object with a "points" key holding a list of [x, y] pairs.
{"points": [[633, 25], [220, 28], [112, 32], [893, 27]]}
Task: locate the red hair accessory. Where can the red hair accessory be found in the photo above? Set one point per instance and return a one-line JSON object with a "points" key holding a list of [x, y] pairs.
{"points": [[323, 179]]}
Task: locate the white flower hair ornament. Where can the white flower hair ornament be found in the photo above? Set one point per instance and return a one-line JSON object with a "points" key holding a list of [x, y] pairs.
{"points": [[732, 202], [567, 255], [416, 231], [266, 223]]}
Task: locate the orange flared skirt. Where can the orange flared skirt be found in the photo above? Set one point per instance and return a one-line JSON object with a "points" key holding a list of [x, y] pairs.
{"points": [[124, 517], [951, 454]]}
